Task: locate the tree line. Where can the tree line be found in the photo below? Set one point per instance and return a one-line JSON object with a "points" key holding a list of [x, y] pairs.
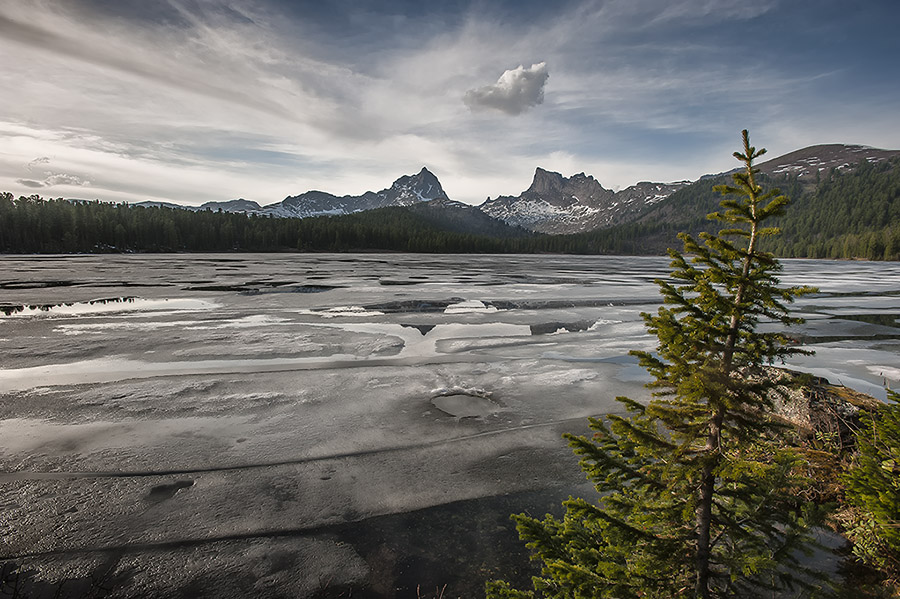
{"points": [[844, 214]]}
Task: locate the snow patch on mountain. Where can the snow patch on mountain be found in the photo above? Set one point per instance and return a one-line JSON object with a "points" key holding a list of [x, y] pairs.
{"points": [[808, 162], [557, 204], [405, 191]]}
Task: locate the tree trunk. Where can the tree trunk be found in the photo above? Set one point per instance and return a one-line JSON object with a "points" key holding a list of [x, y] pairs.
{"points": [[704, 508], [714, 438]]}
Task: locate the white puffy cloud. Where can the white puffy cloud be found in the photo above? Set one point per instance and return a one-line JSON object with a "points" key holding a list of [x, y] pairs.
{"points": [[517, 90]]}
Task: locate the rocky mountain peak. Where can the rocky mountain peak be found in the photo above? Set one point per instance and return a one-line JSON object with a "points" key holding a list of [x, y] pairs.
{"points": [[557, 204], [424, 185], [558, 190], [546, 181]]}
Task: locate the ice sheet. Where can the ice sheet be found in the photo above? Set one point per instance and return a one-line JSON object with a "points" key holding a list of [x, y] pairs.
{"points": [[245, 406]]}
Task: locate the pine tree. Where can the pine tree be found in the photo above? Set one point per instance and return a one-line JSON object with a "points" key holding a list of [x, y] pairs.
{"points": [[696, 491], [873, 487]]}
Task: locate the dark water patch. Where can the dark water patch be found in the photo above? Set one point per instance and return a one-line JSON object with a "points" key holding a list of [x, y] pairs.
{"points": [[461, 405], [163, 492], [360, 260], [271, 283], [310, 288], [569, 327], [36, 284], [422, 305], [814, 339], [130, 284], [389, 282], [237, 288], [257, 287], [422, 328], [449, 550], [560, 304], [886, 320], [455, 547]]}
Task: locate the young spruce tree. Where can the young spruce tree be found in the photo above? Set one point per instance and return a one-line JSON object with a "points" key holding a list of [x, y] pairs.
{"points": [[873, 488], [696, 493]]}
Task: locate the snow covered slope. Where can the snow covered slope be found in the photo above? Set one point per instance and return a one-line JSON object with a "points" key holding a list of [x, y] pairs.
{"points": [[557, 204], [405, 191]]}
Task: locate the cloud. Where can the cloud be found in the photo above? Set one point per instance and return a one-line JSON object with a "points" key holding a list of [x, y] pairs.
{"points": [[30, 183], [34, 163], [52, 179], [132, 63], [517, 90]]}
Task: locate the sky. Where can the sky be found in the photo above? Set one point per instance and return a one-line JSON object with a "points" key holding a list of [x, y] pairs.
{"points": [[191, 101]]}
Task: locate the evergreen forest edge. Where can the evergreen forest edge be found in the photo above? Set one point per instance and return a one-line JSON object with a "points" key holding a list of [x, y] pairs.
{"points": [[843, 214]]}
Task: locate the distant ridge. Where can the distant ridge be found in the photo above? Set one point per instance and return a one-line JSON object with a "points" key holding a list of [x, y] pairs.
{"points": [[239, 205], [807, 162], [405, 191], [552, 204]]}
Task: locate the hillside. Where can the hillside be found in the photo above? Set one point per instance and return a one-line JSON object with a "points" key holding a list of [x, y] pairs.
{"points": [[848, 212], [838, 211]]}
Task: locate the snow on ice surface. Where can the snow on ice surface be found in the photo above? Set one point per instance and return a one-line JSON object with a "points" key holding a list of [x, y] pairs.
{"points": [[337, 311], [338, 429], [469, 306]]}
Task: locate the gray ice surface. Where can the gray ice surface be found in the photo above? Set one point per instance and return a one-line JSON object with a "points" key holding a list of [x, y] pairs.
{"points": [[299, 425]]}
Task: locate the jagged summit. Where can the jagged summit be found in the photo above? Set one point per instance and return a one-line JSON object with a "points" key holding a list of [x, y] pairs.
{"points": [[423, 186], [557, 204], [405, 191], [550, 182], [545, 181]]}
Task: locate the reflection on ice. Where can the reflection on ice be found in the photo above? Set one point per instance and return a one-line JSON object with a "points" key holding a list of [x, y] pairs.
{"points": [[416, 345], [110, 306], [424, 342]]}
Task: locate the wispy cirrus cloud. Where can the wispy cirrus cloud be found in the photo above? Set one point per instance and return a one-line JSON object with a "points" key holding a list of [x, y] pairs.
{"points": [[200, 100]]}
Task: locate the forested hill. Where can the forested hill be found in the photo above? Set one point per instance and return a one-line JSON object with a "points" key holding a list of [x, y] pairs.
{"points": [[843, 213], [33, 225], [849, 213]]}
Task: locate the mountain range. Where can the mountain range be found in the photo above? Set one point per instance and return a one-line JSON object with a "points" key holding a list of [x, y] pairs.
{"points": [[552, 204]]}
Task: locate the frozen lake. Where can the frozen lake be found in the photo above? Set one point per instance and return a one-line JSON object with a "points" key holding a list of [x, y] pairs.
{"points": [[324, 425]]}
